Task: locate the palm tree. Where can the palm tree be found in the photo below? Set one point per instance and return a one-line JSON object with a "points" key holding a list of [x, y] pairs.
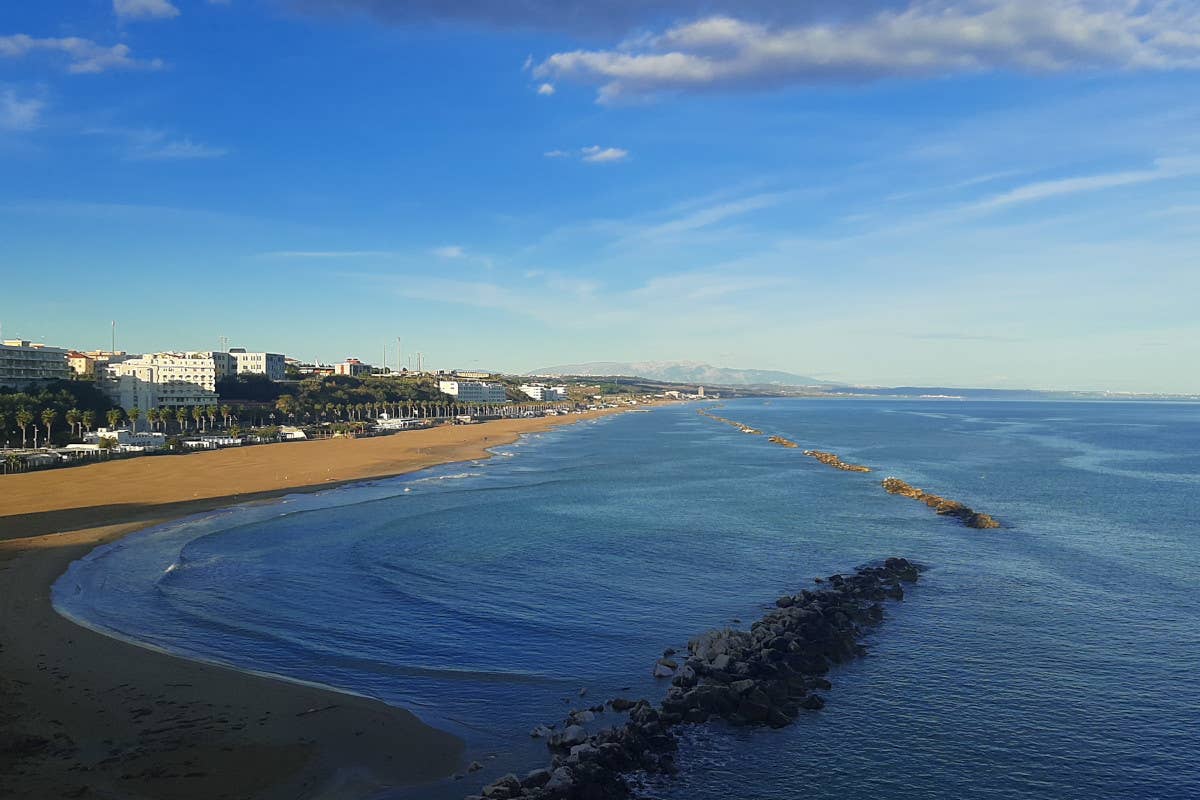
{"points": [[4, 427], [211, 413], [48, 417], [114, 416], [225, 410], [134, 414], [152, 417], [89, 420], [198, 415], [73, 418], [24, 420], [181, 415]]}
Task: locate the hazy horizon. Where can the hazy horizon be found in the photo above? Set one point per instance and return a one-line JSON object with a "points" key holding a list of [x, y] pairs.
{"points": [[973, 194]]}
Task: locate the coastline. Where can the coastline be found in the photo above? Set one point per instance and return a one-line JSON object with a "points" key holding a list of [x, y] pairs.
{"points": [[83, 714]]}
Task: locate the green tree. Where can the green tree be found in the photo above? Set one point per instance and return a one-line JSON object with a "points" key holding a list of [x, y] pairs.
{"points": [[210, 413], [225, 411], [198, 415], [286, 405], [181, 416], [48, 417], [114, 416], [152, 416], [134, 415], [24, 420], [89, 420]]}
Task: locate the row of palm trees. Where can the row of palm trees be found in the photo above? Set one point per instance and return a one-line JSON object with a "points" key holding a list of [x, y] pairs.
{"points": [[291, 408], [204, 418], [200, 418], [26, 419]]}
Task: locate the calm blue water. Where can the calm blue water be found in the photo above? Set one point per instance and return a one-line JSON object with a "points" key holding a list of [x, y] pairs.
{"points": [[1056, 658]]}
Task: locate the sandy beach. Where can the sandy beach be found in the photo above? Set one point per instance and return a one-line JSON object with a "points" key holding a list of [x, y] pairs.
{"points": [[86, 715]]}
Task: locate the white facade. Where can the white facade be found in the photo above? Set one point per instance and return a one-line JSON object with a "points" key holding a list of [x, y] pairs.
{"points": [[540, 391], [145, 440], [167, 379], [474, 391], [269, 364], [22, 363]]}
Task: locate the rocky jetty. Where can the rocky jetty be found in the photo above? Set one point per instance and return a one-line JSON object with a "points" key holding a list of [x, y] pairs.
{"points": [[782, 442], [833, 460], [741, 427], [949, 508], [765, 676]]}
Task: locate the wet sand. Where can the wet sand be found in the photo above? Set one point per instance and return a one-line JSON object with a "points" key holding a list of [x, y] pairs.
{"points": [[86, 715]]}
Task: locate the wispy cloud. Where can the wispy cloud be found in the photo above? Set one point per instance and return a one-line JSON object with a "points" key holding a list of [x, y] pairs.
{"points": [[144, 9], [1163, 169], [19, 113], [604, 155], [593, 154], [450, 251], [926, 38], [146, 144], [83, 55], [325, 254]]}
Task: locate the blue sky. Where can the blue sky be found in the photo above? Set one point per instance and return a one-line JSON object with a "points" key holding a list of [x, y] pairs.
{"points": [[971, 194]]}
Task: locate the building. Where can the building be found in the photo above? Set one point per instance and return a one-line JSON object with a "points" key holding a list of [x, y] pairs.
{"points": [[127, 439], [82, 365], [353, 367], [23, 363], [474, 391], [167, 379], [270, 364], [540, 391]]}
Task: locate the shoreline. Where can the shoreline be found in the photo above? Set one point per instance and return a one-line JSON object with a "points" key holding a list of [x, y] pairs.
{"points": [[86, 714]]}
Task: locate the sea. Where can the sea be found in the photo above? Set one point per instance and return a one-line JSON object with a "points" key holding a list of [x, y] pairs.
{"points": [[1055, 657]]}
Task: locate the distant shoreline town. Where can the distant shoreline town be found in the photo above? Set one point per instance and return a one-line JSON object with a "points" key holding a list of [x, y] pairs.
{"points": [[60, 407]]}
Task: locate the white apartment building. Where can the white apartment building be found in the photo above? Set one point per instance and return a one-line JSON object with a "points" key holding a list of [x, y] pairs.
{"points": [[540, 391], [23, 363], [167, 379], [269, 364], [473, 391]]}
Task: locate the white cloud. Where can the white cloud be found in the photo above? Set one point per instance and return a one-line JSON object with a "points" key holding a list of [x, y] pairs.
{"points": [[546, 89], [18, 113], [84, 55], [603, 155], [928, 38], [449, 251], [593, 154], [144, 9]]}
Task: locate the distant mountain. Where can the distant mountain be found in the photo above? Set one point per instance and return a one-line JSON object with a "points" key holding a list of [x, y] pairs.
{"points": [[682, 372]]}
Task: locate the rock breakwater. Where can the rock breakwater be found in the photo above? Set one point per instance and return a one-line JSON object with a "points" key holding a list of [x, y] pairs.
{"points": [[949, 508], [740, 426], [765, 676], [835, 461], [782, 442]]}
